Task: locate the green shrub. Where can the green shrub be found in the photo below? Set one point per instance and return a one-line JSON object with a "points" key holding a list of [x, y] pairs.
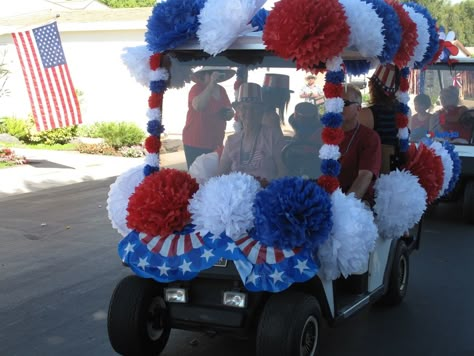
{"points": [[92, 131], [59, 136], [97, 149], [18, 128], [128, 3], [120, 134]]}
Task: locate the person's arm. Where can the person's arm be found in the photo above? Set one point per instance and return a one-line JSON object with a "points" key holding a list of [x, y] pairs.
{"points": [[366, 118], [361, 183], [201, 101], [225, 163], [303, 93]]}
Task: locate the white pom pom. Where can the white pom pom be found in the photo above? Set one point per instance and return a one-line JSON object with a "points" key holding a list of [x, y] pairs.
{"points": [[159, 74], [137, 61], [403, 97], [423, 35], [329, 152], [119, 193], [154, 114], [404, 133], [400, 202], [334, 64], [366, 28], [334, 105], [152, 159], [352, 238], [225, 204], [221, 22], [205, 167], [447, 165]]}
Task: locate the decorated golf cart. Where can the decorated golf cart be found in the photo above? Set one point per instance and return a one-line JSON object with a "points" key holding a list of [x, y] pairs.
{"points": [[233, 253]]}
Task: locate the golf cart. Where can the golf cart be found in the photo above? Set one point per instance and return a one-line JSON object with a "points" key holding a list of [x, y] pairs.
{"points": [[267, 260]]}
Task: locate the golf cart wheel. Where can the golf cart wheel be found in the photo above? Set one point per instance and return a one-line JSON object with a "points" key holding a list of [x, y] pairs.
{"points": [[468, 203], [138, 321], [398, 281], [290, 325]]}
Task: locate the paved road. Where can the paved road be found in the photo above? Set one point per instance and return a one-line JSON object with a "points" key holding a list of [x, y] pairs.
{"points": [[58, 267]]}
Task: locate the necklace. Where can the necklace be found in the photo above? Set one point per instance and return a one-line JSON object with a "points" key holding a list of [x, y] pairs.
{"points": [[248, 159], [351, 140]]}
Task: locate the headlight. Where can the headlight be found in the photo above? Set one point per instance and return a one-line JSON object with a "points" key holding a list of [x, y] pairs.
{"points": [[176, 295], [235, 299]]}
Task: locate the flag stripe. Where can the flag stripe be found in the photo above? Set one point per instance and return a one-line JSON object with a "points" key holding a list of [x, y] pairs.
{"points": [[51, 92]]}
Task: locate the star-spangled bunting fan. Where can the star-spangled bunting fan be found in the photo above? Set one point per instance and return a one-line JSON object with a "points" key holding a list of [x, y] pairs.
{"points": [[51, 92]]}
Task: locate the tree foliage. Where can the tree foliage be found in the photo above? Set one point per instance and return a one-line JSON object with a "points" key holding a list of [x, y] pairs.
{"points": [[453, 17], [128, 3]]}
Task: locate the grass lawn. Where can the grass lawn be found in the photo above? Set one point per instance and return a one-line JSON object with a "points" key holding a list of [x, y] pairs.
{"points": [[6, 164], [41, 146]]}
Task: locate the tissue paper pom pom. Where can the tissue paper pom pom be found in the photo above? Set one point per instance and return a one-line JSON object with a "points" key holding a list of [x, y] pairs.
{"points": [[456, 165], [336, 77], [153, 114], [332, 119], [427, 166], [155, 100], [334, 105], [136, 61], [401, 120], [172, 23], [205, 167], [328, 183], [153, 144], [119, 193], [155, 61], [392, 29], [433, 36], [260, 19], [400, 202], [351, 240], [332, 90], [155, 128], [292, 212], [447, 162], [148, 170], [357, 67], [332, 136], [308, 31], [329, 152], [404, 84], [423, 36], [224, 204], [158, 86], [409, 36], [360, 17], [221, 22], [152, 159], [159, 204], [330, 167]]}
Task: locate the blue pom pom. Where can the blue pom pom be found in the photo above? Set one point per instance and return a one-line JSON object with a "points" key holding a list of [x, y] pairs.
{"points": [[335, 77], [392, 30], [332, 119], [456, 166], [172, 23], [433, 44], [260, 19], [330, 167], [357, 67], [158, 86], [155, 128], [405, 72], [292, 212], [404, 108], [147, 170], [404, 143]]}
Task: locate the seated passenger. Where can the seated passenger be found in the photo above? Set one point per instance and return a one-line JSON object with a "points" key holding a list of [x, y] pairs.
{"points": [[361, 151], [276, 96], [448, 116], [421, 122], [255, 150]]}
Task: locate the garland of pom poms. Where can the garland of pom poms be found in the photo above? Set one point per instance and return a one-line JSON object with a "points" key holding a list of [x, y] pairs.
{"points": [[168, 236]]}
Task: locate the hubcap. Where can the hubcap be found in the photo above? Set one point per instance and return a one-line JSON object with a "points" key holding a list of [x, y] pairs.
{"points": [[402, 267], [155, 318], [309, 337]]}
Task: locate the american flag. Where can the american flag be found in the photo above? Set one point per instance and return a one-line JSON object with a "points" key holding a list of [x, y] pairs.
{"points": [[52, 95]]}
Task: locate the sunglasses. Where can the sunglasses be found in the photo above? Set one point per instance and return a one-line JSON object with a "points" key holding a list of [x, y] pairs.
{"points": [[348, 102]]}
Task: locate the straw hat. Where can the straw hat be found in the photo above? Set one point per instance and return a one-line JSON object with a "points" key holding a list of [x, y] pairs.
{"points": [[249, 93], [277, 81], [226, 71], [309, 76]]}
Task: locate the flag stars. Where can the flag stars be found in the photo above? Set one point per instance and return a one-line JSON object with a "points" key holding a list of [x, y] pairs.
{"points": [[252, 278], [276, 276], [207, 254], [129, 248], [164, 269], [231, 247], [143, 263], [185, 267], [301, 266]]}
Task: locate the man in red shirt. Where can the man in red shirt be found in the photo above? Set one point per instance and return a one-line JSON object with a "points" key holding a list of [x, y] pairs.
{"points": [[361, 152]]}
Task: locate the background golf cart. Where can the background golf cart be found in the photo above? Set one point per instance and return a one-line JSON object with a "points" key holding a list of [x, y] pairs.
{"points": [[460, 73], [142, 311]]}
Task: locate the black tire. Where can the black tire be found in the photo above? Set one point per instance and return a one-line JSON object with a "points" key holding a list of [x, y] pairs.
{"points": [[290, 325], [468, 203], [398, 281], [138, 321]]}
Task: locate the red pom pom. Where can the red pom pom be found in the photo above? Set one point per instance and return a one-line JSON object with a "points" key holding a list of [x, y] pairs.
{"points": [[404, 84], [159, 204], [153, 144], [328, 183], [401, 120], [409, 35], [428, 167], [332, 90], [308, 31], [155, 61], [155, 100], [332, 136]]}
